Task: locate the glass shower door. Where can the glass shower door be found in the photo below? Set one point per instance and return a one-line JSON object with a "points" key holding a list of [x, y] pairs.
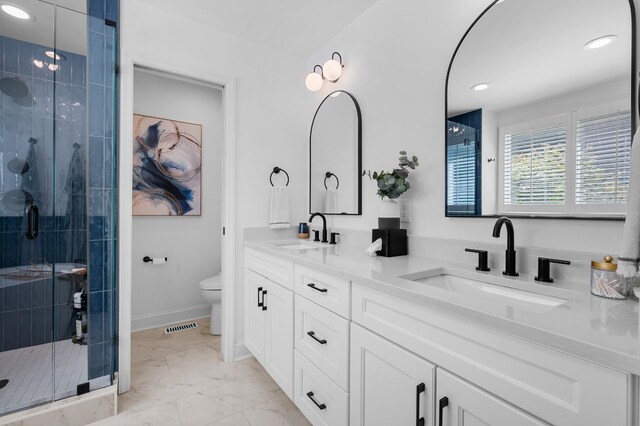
{"points": [[27, 83]]}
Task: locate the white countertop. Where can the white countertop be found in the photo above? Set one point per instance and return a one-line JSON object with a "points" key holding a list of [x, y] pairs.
{"points": [[600, 330]]}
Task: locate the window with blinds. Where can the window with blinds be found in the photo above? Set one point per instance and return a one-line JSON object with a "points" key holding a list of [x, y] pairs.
{"points": [[535, 167], [576, 162], [461, 176], [603, 158]]}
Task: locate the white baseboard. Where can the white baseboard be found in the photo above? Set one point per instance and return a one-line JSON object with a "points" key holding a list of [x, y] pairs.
{"points": [[162, 319], [242, 352]]}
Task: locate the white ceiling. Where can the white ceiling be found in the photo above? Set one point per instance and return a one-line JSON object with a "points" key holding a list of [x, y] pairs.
{"points": [[531, 50], [299, 27]]}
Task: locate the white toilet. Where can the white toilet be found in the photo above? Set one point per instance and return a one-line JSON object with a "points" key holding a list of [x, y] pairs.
{"points": [[211, 289]]}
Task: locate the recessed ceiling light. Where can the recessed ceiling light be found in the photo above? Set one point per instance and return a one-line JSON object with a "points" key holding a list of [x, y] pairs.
{"points": [[53, 67], [600, 42], [38, 63], [16, 12], [54, 55], [480, 86]]}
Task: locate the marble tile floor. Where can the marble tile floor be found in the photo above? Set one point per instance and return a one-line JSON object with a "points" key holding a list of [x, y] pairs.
{"points": [[31, 371], [180, 379]]}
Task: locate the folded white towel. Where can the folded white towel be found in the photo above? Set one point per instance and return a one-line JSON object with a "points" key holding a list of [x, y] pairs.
{"points": [[331, 201], [279, 210]]}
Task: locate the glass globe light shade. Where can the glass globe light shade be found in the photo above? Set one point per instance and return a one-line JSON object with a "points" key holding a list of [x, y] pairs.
{"points": [[313, 81], [332, 70]]}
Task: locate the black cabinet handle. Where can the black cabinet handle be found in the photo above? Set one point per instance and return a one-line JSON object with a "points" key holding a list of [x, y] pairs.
{"points": [[33, 222], [259, 302], [444, 402], [313, 286], [320, 406], [419, 389], [264, 305], [313, 336]]}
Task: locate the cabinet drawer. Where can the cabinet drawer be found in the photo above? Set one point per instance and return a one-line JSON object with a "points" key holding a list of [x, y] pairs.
{"points": [[324, 289], [558, 388], [323, 337], [331, 406], [277, 270]]}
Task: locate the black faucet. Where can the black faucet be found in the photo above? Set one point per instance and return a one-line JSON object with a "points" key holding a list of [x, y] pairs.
{"points": [[324, 225], [510, 259]]}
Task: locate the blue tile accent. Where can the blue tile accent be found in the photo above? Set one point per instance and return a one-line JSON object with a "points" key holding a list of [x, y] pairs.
{"points": [[10, 327], [95, 267], [24, 296], [38, 324], [97, 8], [96, 317], [10, 302], [24, 328]]}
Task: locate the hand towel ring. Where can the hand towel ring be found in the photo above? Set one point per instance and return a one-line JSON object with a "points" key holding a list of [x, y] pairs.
{"points": [[327, 176], [277, 170]]}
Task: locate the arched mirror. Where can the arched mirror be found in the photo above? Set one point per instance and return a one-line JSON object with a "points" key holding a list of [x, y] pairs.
{"points": [[335, 156], [541, 109]]}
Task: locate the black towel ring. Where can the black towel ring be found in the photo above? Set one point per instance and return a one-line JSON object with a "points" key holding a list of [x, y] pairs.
{"points": [[277, 170], [327, 176]]}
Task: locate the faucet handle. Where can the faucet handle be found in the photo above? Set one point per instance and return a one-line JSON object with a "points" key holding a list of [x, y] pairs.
{"points": [[316, 235], [483, 259], [333, 237], [544, 274]]}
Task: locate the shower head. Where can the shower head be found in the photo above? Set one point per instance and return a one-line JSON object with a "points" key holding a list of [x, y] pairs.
{"points": [[14, 87]]}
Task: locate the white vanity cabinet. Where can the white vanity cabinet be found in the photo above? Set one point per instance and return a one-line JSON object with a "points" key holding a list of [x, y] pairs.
{"points": [[459, 403], [349, 354], [557, 388], [269, 318], [389, 385]]}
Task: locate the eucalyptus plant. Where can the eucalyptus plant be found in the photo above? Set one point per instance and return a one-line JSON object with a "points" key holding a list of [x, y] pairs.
{"points": [[393, 184]]}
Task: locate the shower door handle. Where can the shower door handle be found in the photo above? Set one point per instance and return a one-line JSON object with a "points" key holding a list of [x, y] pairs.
{"points": [[33, 222]]}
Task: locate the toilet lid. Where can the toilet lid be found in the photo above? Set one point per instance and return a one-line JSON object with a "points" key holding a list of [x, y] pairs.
{"points": [[211, 283]]}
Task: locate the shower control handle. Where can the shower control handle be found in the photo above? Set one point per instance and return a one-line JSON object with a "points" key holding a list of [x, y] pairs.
{"points": [[33, 222]]}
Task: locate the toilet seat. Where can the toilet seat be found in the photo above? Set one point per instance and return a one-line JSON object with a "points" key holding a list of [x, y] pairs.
{"points": [[211, 283]]}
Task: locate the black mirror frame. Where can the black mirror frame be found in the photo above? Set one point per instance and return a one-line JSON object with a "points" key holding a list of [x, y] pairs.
{"points": [[358, 171], [635, 93]]}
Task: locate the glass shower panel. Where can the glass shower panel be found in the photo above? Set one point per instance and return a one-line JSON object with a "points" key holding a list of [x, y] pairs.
{"points": [[70, 167], [27, 296]]}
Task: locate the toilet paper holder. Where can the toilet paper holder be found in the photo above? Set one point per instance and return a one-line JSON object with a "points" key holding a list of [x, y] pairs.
{"points": [[148, 259]]}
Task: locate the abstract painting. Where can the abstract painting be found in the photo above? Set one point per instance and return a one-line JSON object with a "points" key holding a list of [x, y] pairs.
{"points": [[167, 160]]}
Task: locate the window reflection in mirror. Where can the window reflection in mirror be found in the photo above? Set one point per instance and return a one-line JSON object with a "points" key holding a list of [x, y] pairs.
{"points": [[335, 156], [551, 116]]}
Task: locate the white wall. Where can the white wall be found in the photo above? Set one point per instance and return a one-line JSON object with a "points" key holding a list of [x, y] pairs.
{"points": [[396, 57], [169, 293], [271, 121]]}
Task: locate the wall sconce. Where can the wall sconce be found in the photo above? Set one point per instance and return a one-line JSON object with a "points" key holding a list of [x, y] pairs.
{"points": [[332, 68], [331, 71], [314, 79]]}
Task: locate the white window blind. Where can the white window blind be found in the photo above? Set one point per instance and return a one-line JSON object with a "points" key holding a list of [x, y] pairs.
{"points": [[461, 162], [603, 158], [535, 167]]}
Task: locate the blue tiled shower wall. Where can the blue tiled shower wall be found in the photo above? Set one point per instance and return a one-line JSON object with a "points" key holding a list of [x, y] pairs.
{"points": [[102, 189], [38, 312]]}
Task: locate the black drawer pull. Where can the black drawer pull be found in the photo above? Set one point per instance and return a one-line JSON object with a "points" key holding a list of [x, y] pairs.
{"points": [[444, 402], [259, 302], [313, 286], [264, 305], [419, 389], [312, 334], [320, 406]]}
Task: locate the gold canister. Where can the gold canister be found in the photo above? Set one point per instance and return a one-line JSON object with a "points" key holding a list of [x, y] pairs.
{"points": [[605, 281]]}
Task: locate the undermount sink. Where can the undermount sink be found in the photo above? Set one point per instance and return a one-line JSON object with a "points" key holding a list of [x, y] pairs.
{"points": [[297, 246], [471, 292]]}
